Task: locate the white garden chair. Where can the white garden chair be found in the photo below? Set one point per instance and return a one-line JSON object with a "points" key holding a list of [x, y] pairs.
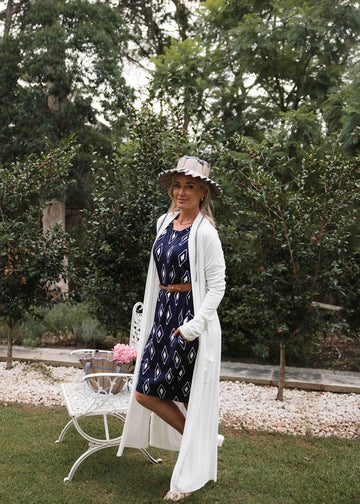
{"points": [[83, 401]]}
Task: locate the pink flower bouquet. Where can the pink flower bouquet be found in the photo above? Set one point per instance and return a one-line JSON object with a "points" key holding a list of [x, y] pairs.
{"points": [[124, 354]]}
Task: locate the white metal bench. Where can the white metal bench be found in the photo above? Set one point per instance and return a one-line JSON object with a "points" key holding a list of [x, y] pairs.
{"points": [[82, 401]]}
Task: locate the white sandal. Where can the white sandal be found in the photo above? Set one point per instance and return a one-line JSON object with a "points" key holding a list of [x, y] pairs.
{"points": [[176, 496]]}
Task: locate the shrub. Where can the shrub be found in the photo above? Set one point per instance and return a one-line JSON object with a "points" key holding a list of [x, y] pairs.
{"points": [[288, 243], [65, 321], [91, 333]]}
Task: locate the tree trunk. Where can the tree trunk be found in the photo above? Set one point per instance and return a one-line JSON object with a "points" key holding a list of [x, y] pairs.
{"points": [[8, 17], [10, 11], [280, 393], [55, 214], [9, 360]]}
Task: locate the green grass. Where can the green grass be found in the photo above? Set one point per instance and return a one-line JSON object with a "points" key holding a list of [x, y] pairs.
{"points": [[253, 468]]}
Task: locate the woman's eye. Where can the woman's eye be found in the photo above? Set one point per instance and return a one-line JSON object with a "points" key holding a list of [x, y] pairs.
{"points": [[186, 187]]}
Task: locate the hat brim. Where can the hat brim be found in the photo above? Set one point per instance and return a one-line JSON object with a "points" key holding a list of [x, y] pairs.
{"points": [[165, 180]]}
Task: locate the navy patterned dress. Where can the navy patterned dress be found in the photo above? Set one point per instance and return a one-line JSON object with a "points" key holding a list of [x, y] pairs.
{"points": [[168, 362]]}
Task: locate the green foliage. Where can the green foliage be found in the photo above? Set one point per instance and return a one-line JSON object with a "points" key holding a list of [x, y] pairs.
{"points": [[64, 321], [31, 261], [32, 327], [61, 63], [91, 333], [75, 319], [128, 201], [288, 243], [152, 23], [257, 65], [65, 318], [180, 77], [350, 132]]}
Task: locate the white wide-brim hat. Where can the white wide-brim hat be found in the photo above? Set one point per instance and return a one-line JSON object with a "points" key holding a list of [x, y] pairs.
{"points": [[190, 165]]}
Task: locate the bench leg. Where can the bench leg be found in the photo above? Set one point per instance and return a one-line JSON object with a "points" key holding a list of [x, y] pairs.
{"points": [[96, 444], [63, 432], [150, 458], [95, 448], [85, 455]]}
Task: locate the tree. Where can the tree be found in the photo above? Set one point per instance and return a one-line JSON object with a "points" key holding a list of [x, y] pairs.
{"points": [[265, 64], [350, 119], [64, 69], [154, 22], [61, 73], [128, 201], [181, 78], [30, 261], [290, 240]]}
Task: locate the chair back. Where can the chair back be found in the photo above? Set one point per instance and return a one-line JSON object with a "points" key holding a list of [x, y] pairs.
{"points": [[135, 324]]}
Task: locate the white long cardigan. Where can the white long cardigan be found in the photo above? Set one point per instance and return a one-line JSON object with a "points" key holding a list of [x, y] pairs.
{"points": [[197, 460]]}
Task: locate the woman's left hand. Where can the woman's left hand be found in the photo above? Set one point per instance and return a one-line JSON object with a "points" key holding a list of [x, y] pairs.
{"points": [[177, 333]]}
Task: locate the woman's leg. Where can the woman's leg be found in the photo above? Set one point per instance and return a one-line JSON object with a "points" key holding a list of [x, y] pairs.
{"points": [[164, 408]]}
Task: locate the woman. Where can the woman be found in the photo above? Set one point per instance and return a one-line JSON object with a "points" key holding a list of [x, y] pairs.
{"points": [[178, 374]]}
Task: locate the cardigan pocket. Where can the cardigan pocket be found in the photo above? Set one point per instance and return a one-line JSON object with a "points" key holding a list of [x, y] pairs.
{"points": [[209, 352]]}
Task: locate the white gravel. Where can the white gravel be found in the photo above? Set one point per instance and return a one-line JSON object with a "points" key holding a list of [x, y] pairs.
{"points": [[242, 405], [319, 414]]}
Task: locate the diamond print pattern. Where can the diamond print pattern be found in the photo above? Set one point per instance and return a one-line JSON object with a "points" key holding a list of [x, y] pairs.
{"points": [[172, 237], [145, 366], [184, 238], [159, 334], [163, 274], [168, 361], [191, 356], [169, 376], [186, 389], [157, 372], [177, 359], [161, 391], [164, 355], [181, 373], [151, 350], [185, 278], [146, 386], [182, 257], [177, 298], [182, 342], [188, 316], [168, 254], [168, 315], [172, 275], [158, 251]]}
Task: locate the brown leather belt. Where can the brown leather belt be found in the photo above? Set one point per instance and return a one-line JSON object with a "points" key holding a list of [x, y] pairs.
{"points": [[177, 287]]}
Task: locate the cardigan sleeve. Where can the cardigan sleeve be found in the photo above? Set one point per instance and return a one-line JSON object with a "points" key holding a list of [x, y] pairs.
{"points": [[214, 265]]}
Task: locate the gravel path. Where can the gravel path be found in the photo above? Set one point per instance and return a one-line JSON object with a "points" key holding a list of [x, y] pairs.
{"points": [[242, 405]]}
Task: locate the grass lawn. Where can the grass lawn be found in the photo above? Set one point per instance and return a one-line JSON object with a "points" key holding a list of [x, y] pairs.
{"points": [[254, 468]]}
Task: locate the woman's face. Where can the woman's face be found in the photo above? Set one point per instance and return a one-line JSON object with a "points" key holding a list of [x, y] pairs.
{"points": [[187, 192]]}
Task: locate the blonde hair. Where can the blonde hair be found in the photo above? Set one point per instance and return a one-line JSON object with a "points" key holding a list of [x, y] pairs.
{"points": [[205, 205]]}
